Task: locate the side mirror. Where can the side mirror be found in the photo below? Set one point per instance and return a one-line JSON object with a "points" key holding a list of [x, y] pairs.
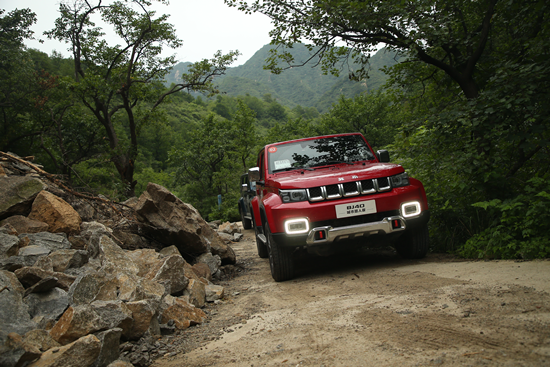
{"points": [[383, 156], [254, 174], [244, 187]]}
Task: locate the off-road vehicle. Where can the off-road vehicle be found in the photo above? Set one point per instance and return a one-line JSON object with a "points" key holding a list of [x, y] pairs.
{"points": [[329, 193]]}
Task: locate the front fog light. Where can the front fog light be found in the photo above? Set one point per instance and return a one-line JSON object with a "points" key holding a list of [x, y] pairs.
{"points": [[411, 209], [296, 226]]}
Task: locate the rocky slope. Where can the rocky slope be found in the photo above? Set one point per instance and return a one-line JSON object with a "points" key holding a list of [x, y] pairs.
{"points": [[102, 283]]}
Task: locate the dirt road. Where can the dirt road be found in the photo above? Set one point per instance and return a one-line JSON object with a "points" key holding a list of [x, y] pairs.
{"points": [[375, 310]]}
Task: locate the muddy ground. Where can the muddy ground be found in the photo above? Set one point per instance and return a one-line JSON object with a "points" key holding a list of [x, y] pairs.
{"points": [[374, 309]]}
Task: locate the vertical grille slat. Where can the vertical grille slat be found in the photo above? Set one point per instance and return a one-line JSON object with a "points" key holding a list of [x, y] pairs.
{"points": [[349, 189]]}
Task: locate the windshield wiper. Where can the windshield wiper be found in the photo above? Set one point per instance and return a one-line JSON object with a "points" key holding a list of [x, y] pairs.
{"points": [[291, 168], [333, 162]]}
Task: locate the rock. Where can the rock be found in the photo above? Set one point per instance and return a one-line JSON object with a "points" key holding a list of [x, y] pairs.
{"points": [[145, 259], [82, 320], [44, 263], [16, 352], [196, 293], [110, 343], [9, 245], [189, 273], [226, 237], [229, 228], [92, 233], [76, 322], [84, 210], [115, 314], [213, 292], [82, 352], [8, 229], [113, 259], [130, 240], [44, 285], [92, 286], [17, 195], [170, 272], [48, 240], [170, 250], [34, 251], [202, 270], [67, 259], [41, 339], [183, 314], [144, 314], [56, 212], [47, 307], [14, 313], [212, 261], [172, 222], [142, 289], [25, 225], [238, 237], [225, 252], [120, 363], [30, 275], [16, 262]]}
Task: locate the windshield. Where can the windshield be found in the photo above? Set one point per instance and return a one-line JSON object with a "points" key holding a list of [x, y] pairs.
{"points": [[318, 152]]}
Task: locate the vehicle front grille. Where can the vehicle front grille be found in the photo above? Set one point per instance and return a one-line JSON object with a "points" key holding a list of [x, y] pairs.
{"points": [[349, 189]]}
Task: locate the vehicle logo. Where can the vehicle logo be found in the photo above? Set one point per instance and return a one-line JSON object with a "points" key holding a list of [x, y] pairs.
{"points": [[355, 177], [340, 179]]}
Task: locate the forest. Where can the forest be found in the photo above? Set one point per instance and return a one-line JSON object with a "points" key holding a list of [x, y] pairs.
{"points": [[459, 94]]}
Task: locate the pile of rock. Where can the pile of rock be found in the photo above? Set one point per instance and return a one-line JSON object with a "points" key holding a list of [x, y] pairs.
{"points": [[76, 281]]}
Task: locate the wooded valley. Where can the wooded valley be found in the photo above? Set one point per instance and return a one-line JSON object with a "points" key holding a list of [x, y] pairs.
{"points": [[459, 95]]}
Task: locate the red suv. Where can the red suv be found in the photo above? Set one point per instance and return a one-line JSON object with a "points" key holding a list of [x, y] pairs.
{"points": [[331, 193]]}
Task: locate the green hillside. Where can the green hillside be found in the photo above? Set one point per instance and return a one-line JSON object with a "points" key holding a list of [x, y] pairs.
{"points": [[305, 86]]}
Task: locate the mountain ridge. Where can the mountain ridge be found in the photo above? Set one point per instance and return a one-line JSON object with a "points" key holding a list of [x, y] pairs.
{"points": [[306, 85]]}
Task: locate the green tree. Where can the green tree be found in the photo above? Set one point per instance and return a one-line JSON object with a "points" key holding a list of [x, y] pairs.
{"points": [[17, 79], [122, 84], [371, 114], [202, 164], [245, 138]]}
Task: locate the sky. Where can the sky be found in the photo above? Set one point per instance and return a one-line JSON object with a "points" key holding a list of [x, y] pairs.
{"points": [[205, 26]]}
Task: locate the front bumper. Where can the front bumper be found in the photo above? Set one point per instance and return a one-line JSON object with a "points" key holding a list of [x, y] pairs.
{"points": [[389, 227], [329, 234]]}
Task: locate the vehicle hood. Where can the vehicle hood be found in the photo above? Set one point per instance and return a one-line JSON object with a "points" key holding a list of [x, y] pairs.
{"points": [[342, 173]]}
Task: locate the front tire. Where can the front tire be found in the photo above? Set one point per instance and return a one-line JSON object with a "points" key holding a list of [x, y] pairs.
{"points": [[414, 244], [280, 258]]}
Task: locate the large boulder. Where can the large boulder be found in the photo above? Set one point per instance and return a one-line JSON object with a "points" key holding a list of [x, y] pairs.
{"points": [[170, 221], [17, 194], [56, 212]]}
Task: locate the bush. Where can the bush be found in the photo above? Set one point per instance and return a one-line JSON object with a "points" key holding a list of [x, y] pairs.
{"points": [[521, 226]]}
